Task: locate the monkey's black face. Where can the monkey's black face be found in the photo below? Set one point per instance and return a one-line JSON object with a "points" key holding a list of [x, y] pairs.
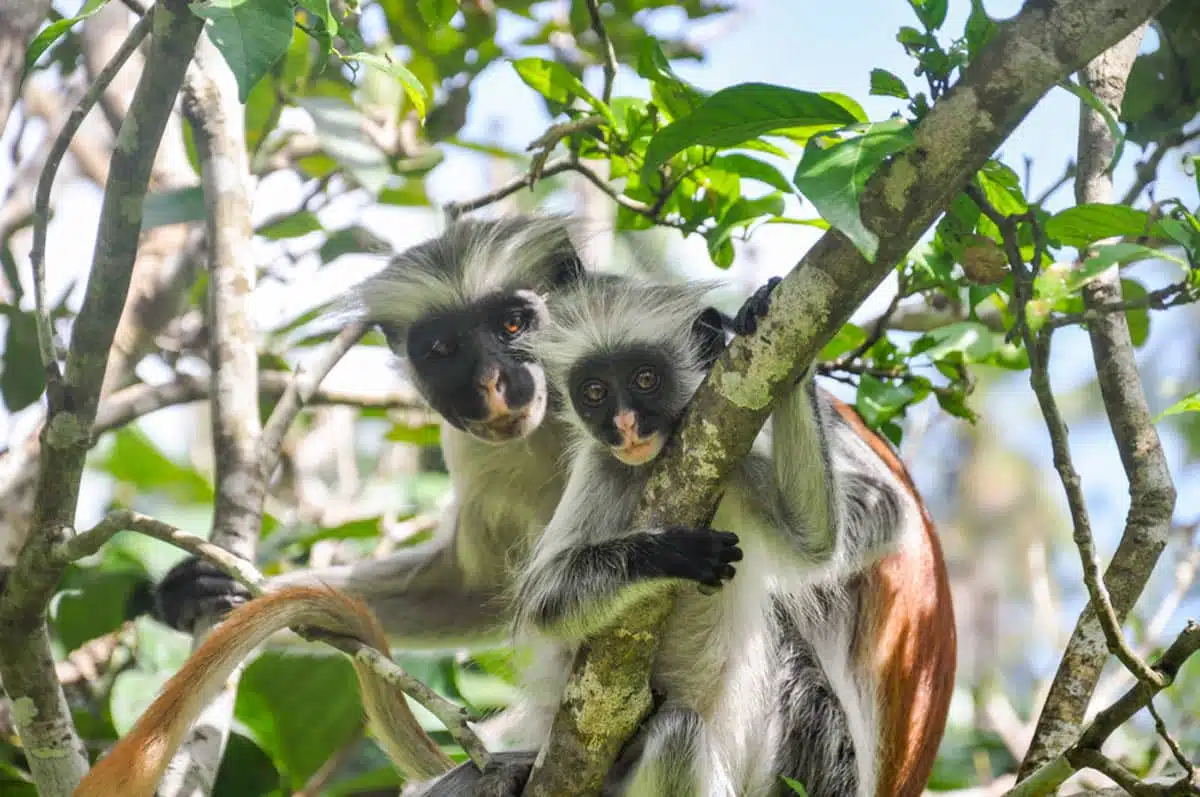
{"points": [[465, 364], [624, 398]]}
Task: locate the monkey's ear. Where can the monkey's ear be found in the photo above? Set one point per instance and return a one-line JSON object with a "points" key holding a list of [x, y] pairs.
{"points": [[709, 332], [393, 335], [566, 266]]}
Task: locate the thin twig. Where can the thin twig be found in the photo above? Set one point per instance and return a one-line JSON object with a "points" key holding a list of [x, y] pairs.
{"points": [[1147, 170], [41, 215], [90, 541], [300, 390], [610, 55], [1063, 179], [1173, 295], [1161, 727]]}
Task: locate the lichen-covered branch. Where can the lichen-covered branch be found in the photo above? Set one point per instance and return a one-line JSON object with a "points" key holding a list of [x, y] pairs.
{"points": [[1151, 490], [608, 694], [57, 758], [210, 104]]}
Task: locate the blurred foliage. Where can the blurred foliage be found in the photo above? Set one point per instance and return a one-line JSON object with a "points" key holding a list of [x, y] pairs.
{"points": [[387, 85]]}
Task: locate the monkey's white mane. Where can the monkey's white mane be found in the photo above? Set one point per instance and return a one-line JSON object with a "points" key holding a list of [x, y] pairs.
{"points": [[472, 258]]}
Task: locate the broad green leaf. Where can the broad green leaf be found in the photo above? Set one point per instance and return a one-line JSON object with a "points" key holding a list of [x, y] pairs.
{"points": [[350, 240], [94, 605], [847, 339], [746, 166], [1083, 225], [437, 13], [832, 176], [1138, 318], [250, 34], [552, 80], [134, 459], [427, 435], [300, 709], [321, 10], [176, 206], [293, 225], [55, 30], [886, 84], [932, 13], [673, 94], [743, 112], [22, 381], [247, 769], [132, 693], [390, 66], [339, 130], [1189, 403], [980, 29], [878, 401], [741, 213], [1125, 253]]}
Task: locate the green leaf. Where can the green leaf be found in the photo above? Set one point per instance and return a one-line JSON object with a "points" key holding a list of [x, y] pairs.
{"points": [[22, 381], [132, 693], [428, 435], [1083, 225], [390, 66], [177, 206], [1114, 127], [437, 13], [1189, 403], [1138, 318], [746, 166], [740, 113], [980, 29], [832, 176], [1125, 253], [740, 214], [795, 786], [847, 339], [886, 84], [134, 459], [300, 709], [340, 132], [55, 30], [351, 240], [878, 402], [932, 13], [668, 90], [321, 10], [246, 769], [293, 225], [552, 80], [251, 35]]}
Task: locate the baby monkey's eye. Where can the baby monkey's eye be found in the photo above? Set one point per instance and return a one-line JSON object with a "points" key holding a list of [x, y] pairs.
{"points": [[441, 348], [515, 322], [593, 392], [645, 379]]}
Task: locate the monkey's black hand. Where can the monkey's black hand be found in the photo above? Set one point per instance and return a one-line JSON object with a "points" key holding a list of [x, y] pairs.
{"points": [[755, 308], [701, 555], [193, 589], [505, 776]]}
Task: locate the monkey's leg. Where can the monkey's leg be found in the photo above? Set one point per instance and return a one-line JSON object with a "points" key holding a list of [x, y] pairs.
{"points": [[671, 756]]}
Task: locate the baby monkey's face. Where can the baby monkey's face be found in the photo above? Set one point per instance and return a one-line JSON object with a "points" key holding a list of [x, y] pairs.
{"points": [[623, 398]]}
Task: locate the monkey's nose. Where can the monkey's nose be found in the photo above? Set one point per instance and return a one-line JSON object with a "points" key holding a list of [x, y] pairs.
{"points": [[492, 382], [626, 422]]}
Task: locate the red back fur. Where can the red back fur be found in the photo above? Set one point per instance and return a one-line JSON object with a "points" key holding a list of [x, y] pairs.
{"points": [[911, 645]]}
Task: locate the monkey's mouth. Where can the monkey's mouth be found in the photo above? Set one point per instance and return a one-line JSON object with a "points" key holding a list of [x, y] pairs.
{"points": [[639, 452], [503, 428]]}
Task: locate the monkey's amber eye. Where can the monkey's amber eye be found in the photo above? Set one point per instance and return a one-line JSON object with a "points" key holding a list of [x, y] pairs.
{"points": [[593, 392], [514, 323], [645, 379], [440, 348]]}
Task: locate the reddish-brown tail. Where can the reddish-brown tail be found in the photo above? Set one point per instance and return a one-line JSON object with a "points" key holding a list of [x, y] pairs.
{"points": [[913, 647], [136, 763]]}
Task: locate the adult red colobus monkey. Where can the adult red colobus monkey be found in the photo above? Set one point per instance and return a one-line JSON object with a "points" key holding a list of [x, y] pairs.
{"points": [[827, 655], [135, 765]]}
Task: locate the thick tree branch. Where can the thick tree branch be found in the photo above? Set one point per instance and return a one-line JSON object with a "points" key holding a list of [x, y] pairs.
{"points": [[1151, 490], [608, 693], [57, 757]]}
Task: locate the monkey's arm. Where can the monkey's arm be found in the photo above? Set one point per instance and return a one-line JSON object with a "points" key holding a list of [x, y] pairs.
{"points": [[136, 764], [423, 595], [586, 567]]}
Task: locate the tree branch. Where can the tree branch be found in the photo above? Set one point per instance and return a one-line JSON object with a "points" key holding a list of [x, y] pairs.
{"points": [[210, 104], [608, 695], [58, 759], [41, 212], [1151, 490], [606, 46]]}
